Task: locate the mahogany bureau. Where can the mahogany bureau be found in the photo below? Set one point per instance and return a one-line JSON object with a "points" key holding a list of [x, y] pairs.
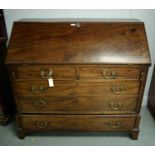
{"points": [[78, 74]]}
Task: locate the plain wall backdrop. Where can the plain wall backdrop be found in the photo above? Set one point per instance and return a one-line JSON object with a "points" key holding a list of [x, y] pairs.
{"points": [[147, 16]]}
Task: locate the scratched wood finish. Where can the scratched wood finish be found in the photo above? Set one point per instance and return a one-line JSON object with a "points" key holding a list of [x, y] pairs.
{"points": [[79, 105], [92, 42], [77, 122]]}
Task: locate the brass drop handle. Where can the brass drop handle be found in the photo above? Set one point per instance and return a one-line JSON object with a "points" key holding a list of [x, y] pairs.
{"points": [[45, 75], [115, 106], [112, 75], [114, 125], [117, 89], [39, 103], [41, 89], [42, 124]]}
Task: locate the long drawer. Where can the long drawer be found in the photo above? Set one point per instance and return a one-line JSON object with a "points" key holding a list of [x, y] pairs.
{"points": [[79, 105], [41, 88], [77, 122]]}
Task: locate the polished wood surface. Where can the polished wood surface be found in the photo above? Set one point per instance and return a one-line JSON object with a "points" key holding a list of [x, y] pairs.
{"points": [[77, 122], [77, 71], [82, 42], [99, 70], [34, 72], [109, 72], [73, 88], [79, 105]]}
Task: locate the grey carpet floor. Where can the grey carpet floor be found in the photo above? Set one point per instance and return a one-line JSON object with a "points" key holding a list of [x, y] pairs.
{"points": [[146, 137]]}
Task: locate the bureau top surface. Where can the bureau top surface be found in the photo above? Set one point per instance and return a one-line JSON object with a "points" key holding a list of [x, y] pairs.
{"points": [[74, 41]]}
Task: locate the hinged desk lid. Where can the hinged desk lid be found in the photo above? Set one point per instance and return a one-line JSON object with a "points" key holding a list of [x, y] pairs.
{"points": [[104, 42]]}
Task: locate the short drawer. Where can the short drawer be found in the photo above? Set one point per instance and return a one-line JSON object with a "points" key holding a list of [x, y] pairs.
{"points": [[73, 88], [77, 122], [79, 105], [109, 72], [44, 72]]}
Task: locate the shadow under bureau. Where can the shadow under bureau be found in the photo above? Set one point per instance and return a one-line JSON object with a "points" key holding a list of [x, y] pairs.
{"points": [[78, 74]]}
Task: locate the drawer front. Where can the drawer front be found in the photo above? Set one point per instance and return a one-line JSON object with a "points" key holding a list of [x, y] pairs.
{"points": [[45, 72], [69, 72], [42, 89], [79, 105], [72, 88], [77, 122], [109, 72]]}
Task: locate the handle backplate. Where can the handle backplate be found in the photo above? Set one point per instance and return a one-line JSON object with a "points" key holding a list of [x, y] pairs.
{"points": [[114, 125], [112, 75], [39, 103], [115, 106], [41, 89], [41, 124], [117, 89]]}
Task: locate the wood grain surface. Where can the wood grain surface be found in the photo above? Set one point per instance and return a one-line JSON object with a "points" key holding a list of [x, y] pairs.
{"points": [[92, 42]]}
